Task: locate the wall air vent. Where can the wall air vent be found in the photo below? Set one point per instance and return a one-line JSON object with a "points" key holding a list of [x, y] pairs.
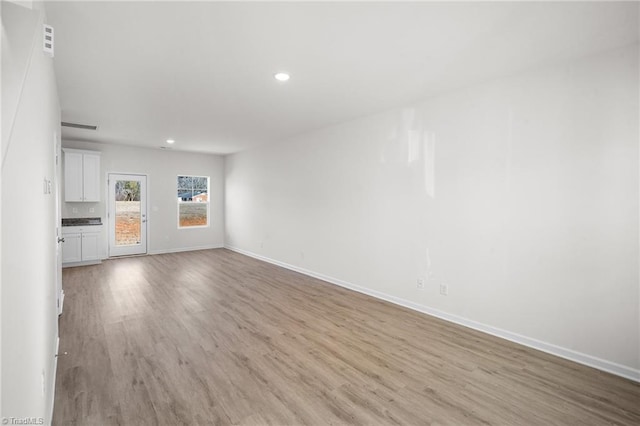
{"points": [[79, 126], [47, 39]]}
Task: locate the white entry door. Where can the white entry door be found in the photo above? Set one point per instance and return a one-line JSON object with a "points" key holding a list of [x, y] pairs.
{"points": [[127, 214]]}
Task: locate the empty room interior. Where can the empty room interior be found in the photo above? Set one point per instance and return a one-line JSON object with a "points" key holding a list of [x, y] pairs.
{"points": [[320, 213]]}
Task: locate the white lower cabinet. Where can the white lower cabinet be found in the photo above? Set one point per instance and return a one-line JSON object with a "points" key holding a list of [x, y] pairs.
{"points": [[81, 245], [71, 248], [90, 246]]}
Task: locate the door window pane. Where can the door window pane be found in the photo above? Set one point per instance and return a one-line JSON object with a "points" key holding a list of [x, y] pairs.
{"points": [[128, 219]]}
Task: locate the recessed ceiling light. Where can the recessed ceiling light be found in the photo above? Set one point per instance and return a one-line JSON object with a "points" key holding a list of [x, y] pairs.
{"points": [[170, 141], [282, 76]]}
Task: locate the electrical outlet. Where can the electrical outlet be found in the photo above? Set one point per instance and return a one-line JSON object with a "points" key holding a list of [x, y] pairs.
{"points": [[92, 210], [444, 289], [420, 283], [74, 210]]}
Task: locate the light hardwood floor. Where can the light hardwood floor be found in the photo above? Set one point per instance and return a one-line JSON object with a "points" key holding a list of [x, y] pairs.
{"points": [[214, 337]]}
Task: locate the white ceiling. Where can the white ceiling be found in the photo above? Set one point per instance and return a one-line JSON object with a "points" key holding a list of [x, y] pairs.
{"points": [[202, 72]]}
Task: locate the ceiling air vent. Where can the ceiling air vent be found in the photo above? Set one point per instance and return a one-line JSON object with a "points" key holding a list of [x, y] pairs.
{"points": [[47, 39], [79, 126]]}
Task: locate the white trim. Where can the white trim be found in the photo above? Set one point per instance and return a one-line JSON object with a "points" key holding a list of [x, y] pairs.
{"points": [[579, 357], [82, 151], [134, 249], [208, 203], [52, 390], [61, 304], [181, 249]]}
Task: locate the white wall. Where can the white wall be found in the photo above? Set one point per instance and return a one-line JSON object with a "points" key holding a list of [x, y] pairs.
{"points": [[521, 194], [30, 117], [162, 168]]}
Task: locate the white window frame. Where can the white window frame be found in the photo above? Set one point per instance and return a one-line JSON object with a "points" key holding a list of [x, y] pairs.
{"points": [[208, 202]]}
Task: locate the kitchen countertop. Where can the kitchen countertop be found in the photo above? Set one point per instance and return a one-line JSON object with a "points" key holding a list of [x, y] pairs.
{"points": [[82, 221]]}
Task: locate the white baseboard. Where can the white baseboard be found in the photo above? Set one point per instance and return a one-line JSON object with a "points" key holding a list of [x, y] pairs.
{"points": [[181, 249], [581, 358], [85, 263]]}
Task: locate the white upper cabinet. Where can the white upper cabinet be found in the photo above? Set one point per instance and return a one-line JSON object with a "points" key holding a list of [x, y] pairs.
{"points": [[73, 176], [81, 175], [91, 177]]}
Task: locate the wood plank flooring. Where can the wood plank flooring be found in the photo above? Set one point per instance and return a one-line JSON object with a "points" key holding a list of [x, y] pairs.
{"points": [[214, 337]]}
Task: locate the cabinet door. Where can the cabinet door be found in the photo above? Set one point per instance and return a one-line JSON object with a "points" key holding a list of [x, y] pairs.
{"points": [[72, 248], [90, 246], [73, 176], [91, 177]]}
